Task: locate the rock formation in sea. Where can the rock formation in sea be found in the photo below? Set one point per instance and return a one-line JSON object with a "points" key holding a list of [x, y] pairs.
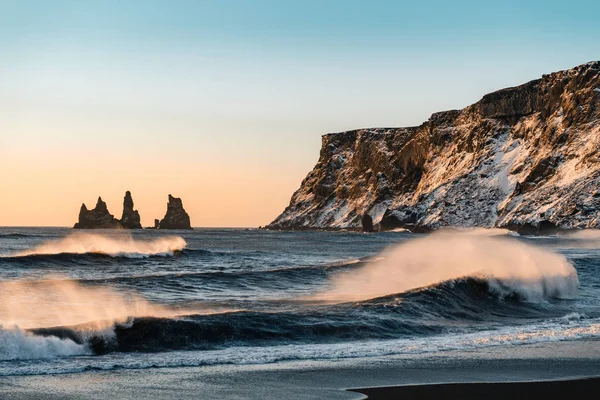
{"points": [[525, 158], [96, 218], [367, 223], [176, 217], [130, 218]]}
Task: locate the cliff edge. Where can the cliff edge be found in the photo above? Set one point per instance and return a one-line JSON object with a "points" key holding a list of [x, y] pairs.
{"points": [[524, 158]]}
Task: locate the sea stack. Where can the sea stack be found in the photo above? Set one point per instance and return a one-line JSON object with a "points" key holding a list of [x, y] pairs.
{"points": [[97, 218], [176, 217], [131, 217]]}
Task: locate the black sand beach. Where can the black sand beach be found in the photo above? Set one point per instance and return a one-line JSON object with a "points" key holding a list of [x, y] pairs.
{"points": [[576, 388]]}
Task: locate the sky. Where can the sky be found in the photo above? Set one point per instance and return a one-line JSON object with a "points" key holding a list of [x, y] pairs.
{"points": [[223, 103]]}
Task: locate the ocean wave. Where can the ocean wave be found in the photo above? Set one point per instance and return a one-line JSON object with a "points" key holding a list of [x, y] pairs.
{"points": [[506, 264], [16, 344], [14, 235], [410, 314], [56, 301], [550, 331], [207, 332], [118, 245], [214, 276]]}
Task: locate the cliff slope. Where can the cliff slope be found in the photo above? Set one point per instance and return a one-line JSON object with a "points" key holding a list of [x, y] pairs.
{"points": [[524, 158]]}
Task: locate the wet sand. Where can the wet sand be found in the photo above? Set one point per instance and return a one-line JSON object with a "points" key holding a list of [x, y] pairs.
{"points": [[463, 374], [574, 388]]}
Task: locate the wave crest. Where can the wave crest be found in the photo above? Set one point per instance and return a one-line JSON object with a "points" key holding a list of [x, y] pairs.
{"points": [[532, 273], [16, 344], [54, 301], [112, 245]]}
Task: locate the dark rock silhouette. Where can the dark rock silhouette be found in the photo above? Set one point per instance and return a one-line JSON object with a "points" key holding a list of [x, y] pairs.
{"points": [[97, 218], [402, 218], [367, 223], [131, 217], [176, 217]]}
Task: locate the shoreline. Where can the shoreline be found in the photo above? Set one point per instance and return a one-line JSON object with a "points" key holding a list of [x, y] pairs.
{"points": [[547, 389], [519, 366]]}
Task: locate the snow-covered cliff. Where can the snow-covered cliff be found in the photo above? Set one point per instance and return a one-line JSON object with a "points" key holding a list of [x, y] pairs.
{"points": [[525, 158]]}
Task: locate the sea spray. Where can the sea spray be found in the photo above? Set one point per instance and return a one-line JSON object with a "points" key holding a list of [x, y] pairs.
{"points": [[55, 301], [508, 266], [118, 244], [583, 234]]}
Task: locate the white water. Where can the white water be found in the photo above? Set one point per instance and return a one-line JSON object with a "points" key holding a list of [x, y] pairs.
{"points": [[16, 344], [533, 273], [114, 245]]}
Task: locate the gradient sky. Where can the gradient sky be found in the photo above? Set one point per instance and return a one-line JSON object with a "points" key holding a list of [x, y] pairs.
{"points": [[223, 103]]}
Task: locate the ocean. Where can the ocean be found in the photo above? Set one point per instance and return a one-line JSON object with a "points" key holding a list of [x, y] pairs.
{"points": [[81, 302]]}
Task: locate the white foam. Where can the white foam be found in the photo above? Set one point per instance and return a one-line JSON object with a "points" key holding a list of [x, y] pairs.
{"points": [[16, 344]]}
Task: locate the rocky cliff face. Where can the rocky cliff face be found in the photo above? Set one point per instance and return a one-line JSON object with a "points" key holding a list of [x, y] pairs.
{"points": [[96, 218], [130, 218], [525, 158], [176, 217]]}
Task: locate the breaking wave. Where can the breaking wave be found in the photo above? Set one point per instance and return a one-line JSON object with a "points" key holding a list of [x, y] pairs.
{"points": [[424, 288], [25, 303], [16, 344], [506, 265], [550, 331], [117, 245], [402, 315]]}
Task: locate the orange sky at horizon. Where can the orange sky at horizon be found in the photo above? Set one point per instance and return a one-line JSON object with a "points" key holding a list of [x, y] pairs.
{"points": [[213, 194]]}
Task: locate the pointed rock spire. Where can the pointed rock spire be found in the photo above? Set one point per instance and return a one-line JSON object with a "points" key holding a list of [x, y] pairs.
{"points": [[130, 218]]}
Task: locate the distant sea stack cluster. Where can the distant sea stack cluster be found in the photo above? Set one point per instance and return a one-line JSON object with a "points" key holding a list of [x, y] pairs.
{"points": [[526, 158], [100, 218]]}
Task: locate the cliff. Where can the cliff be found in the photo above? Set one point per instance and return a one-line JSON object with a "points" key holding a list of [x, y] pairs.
{"points": [[524, 158]]}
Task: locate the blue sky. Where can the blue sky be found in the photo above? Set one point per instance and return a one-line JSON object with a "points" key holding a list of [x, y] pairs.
{"points": [[247, 87]]}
